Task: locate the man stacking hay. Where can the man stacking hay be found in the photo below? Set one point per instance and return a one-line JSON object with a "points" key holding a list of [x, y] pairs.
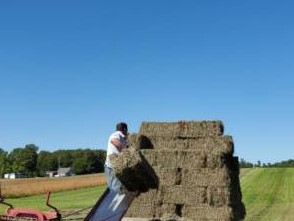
{"points": [[134, 172], [125, 168], [116, 143], [128, 174]]}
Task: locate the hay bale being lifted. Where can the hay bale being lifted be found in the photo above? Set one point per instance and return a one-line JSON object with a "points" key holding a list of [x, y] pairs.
{"points": [[132, 169]]}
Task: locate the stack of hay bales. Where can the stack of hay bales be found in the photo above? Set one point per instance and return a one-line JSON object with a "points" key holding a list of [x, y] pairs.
{"points": [[198, 174]]}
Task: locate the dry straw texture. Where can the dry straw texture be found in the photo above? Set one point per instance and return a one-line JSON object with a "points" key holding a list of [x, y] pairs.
{"points": [[139, 141], [179, 194], [175, 158], [148, 198], [183, 129], [214, 144], [167, 176], [144, 211], [198, 174], [209, 213], [218, 196], [133, 170], [34, 186], [206, 177]]}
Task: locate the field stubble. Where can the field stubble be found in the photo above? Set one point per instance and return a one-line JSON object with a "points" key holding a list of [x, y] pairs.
{"points": [[34, 186]]}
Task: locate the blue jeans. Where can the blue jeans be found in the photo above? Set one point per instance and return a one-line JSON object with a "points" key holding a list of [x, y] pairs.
{"points": [[112, 181]]}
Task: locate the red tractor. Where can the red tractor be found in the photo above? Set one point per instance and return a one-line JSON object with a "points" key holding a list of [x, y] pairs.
{"points": [[26, 214]]}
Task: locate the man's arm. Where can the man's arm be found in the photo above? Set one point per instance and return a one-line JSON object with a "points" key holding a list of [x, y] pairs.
{"points": [[119, 145]]}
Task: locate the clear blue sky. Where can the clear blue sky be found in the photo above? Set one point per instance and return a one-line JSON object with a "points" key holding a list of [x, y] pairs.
{"points": [[70, 70]]}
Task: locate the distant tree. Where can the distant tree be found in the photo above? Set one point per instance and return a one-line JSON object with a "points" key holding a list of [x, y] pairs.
{"points": [[27, 160], [88, 161], [24, 160], [3, 162], [285, 163], [46, 162], [245, 164], [80, 164], [65, 157], [100, 156], [15, 160], [30, 158]]}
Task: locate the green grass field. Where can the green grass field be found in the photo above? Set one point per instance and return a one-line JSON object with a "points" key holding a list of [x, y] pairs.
{"points": [[268, 194], [64, 201]]}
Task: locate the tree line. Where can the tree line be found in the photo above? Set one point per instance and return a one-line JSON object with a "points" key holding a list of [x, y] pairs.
{"points": [[286, 163], [31, 163]]}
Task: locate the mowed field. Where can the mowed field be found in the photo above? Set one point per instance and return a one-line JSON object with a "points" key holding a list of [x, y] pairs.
{"points": [[268, 193]]}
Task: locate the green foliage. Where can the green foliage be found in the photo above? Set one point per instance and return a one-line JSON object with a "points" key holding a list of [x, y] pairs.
{"points": [[15, 160], [3, 162], [83, 161], [65, 157], [46, 162], [101, 157], [29, 162], [24, 160], [245, 164], [87, 161], [286, 163], [30, 157]]}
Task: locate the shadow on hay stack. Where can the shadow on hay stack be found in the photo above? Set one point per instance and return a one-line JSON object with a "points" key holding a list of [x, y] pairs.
{"points": [[198, 174]]}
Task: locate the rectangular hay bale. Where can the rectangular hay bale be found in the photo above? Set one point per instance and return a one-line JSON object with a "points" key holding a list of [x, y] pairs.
{"points": [[179, 194], [183, 129], [208, 213], [133, 170], [142, 211], [218, 196], [206, 177], [165, 211], [216, 145], [194, 160], [148, 198], [167, 176], [175, 158]]}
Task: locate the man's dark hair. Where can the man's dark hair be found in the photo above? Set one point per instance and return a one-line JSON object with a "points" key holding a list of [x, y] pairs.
{"points": [[122, 126]]}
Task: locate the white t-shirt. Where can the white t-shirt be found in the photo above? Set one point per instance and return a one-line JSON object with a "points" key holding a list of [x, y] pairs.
{"points": [[111, 148]]}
